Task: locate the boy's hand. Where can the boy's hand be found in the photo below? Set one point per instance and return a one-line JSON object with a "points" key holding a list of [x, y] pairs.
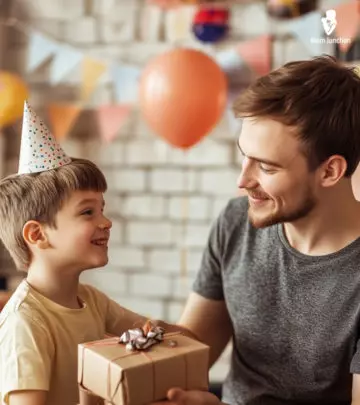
{"points": [[177, 396]]}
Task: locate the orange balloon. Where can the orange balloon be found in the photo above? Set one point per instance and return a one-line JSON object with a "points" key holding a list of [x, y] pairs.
{"points": [[13, 93], [183, 94]]}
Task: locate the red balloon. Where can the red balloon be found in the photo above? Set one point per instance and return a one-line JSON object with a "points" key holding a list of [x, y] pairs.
{"points": [[183, 94]]}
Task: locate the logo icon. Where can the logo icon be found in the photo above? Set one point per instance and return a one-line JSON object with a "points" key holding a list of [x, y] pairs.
{"points": [[329, 21]]}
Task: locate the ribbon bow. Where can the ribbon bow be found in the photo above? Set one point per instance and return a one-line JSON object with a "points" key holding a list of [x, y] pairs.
{"points": [[142, 338]]}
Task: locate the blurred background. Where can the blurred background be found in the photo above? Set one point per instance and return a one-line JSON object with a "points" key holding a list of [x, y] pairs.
{"points": [[115, 82]]}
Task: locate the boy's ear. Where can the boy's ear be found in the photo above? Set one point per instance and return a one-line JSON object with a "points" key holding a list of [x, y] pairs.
{"points": [[33, 233]]}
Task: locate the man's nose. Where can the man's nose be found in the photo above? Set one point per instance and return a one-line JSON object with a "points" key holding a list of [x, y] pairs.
{"points": [[246, 178]]}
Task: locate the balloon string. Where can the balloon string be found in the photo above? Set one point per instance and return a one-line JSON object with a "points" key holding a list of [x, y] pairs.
{"points": [[184, 220]]}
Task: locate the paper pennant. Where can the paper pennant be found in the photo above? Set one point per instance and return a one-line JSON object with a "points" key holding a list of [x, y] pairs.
{"points": [[92, 70], [348, 22], [308, 30], [39, 150], [110, 118], [40, 49], [126, 80], [62, 118], [256, 53], [65, 61]]}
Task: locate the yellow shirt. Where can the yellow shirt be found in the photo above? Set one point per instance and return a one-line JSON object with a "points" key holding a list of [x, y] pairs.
{"points": [[39, 340]]}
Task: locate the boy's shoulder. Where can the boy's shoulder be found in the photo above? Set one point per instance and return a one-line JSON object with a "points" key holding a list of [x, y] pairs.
{"points": [[21, 306]]}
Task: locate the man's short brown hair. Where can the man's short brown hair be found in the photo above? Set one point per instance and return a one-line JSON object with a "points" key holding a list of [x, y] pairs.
{"points": [[39, 197], [319, 98]]}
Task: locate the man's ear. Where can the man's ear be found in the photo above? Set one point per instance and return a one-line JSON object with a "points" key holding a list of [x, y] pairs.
{"points": [[34, 234], [333, 170]]}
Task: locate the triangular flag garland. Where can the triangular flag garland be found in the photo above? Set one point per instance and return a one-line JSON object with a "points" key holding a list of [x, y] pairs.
{"points": [[348, 23], [66, 59], [308, 30], [62, 117], [92, 70], [110, 118], [257, 54], [40, 49], [126, 79], [253, 55]]}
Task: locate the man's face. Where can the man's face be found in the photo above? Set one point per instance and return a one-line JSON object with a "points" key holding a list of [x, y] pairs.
{"points": [[274, 174]]}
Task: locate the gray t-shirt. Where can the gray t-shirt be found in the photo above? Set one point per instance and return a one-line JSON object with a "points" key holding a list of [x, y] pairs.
{"points": [[295, 317]]}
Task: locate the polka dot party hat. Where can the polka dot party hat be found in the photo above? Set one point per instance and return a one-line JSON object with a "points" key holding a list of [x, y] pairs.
{"points": [[39, 150]]}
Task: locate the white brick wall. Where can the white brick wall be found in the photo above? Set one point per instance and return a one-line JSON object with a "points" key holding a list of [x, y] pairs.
{"points": [[161, 199]]}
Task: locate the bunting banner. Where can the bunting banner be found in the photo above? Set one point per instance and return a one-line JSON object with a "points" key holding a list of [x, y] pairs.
{"points": [[62, 118], [308, 30], [92, 70], [40, 50], [126, 79], [347, 24], [256, 53], [66, 59], [110, 118]]}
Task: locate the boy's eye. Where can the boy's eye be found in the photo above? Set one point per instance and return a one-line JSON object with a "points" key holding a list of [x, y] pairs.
{"points": [[87, 212]]}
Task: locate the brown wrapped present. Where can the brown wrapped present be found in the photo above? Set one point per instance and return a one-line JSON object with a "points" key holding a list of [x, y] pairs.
{"points": [[132, 375]]}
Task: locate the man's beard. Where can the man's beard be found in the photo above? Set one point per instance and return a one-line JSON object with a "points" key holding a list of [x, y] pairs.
{"points": [[278, 217]]}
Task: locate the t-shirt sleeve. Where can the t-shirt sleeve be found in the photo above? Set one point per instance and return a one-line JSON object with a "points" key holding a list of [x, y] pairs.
{"points": [[26, 355], [208, 281]]}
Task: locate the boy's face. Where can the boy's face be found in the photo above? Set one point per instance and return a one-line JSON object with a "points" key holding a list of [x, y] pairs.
{"points": [[275, 174], [80, 240]]}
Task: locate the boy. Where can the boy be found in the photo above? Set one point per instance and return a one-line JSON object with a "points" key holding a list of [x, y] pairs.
{"points": [[54, 227]]}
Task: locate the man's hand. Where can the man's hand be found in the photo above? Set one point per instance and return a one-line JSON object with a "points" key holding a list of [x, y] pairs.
{"points": [[177, 396]]}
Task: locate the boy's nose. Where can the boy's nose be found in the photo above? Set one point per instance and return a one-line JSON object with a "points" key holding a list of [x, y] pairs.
{"points": [[106, 223]]}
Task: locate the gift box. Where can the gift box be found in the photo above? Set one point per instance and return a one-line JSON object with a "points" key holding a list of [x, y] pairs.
{"points": [[108, 369]]}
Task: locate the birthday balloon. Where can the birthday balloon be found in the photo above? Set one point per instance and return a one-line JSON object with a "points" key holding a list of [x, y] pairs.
{"points": [[13, 93], [211, 24], [183, 94]]}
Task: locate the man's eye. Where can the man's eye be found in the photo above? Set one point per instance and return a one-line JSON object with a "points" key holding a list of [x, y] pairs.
{"points": [[266, 169]]}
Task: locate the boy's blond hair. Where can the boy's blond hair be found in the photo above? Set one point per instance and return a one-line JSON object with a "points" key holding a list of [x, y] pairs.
{"points": [[39, 197]]}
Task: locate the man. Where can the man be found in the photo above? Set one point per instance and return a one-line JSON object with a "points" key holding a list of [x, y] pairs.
{"points": [[280, 275]]}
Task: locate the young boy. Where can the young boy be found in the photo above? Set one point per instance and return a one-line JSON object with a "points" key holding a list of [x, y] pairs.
{"points": [[54, 227]]}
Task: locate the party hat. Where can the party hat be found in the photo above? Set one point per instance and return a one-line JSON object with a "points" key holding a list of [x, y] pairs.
{"points": [[39, 150]]}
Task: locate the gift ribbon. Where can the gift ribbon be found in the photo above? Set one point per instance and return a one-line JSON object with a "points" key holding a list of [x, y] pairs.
{"points": [[116, 341]]}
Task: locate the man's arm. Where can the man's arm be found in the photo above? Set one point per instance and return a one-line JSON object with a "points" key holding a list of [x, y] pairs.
{"points": [[27, 398], [356, 390], [209, 321]]}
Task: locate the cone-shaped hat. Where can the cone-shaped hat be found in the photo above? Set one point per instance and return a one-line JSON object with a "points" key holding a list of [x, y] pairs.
{"points": [[39, 150]]}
